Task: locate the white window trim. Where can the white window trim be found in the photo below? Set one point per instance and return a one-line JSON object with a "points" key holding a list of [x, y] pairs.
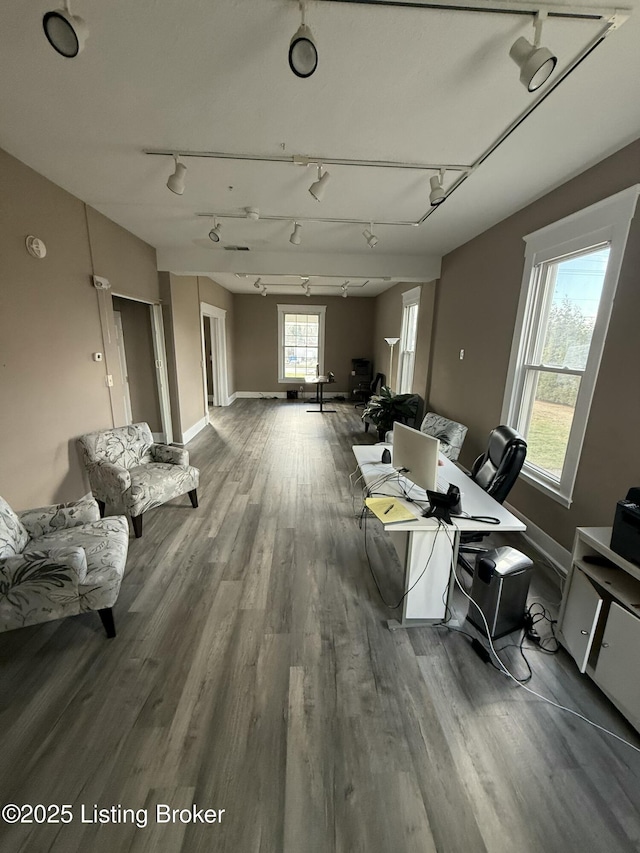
{"points": [[320, 310], [607, 221], [409, 298]]}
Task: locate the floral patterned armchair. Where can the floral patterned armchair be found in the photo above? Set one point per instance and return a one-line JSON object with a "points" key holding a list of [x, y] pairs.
{"points": [[131, 474], [450, 433], [58, 561]]}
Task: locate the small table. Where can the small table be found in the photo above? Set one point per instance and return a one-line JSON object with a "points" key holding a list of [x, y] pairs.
{"points": [[319, 382]]}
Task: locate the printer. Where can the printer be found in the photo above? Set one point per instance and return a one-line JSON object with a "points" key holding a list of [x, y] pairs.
{"points": [[625, 536]]}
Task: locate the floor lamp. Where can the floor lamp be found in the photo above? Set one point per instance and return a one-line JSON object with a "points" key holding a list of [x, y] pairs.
{"points": [[392, 342]]}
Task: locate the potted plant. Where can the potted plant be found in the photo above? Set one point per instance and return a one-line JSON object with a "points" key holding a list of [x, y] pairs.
{"points": [[385, 408]]}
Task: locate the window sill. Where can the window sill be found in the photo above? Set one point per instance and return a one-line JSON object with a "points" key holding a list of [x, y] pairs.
{"points": [[554, 493]]}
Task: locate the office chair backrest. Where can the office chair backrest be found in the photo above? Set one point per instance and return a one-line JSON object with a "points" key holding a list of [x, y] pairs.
{"points": [[497, 469], [377, 383]]}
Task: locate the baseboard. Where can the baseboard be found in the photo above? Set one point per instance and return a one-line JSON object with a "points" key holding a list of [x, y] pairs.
{"points": [[232, 398], [558, 556], [310, 391], [193, 431]]}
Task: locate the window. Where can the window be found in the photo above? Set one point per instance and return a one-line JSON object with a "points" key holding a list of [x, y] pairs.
{"points": [[408, 336], [300, 342], [570, 277]]}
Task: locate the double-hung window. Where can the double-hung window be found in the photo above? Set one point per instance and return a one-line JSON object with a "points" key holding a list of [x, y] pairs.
{"points": [[300, 342], [408, 337], [569, 283]]}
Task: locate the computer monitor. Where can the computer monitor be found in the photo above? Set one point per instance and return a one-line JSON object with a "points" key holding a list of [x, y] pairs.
{"points": [[416, 452]]}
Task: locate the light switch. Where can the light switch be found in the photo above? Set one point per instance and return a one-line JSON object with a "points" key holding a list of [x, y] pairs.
{"points": [[109, 380]]}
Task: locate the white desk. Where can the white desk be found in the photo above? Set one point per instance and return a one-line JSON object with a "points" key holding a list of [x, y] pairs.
{"points": [[414, 540]]}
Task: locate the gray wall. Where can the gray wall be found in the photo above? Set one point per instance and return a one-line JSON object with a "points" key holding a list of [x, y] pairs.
{"points": [[51, 391], [477, 300], [348, 334], [388, 324]]}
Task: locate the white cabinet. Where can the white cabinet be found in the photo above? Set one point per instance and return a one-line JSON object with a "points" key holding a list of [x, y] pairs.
{"points": [[599, 621]]}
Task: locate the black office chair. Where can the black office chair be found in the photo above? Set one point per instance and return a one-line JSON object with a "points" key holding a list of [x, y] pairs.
{"points": [[367, 393], [496, 470]]}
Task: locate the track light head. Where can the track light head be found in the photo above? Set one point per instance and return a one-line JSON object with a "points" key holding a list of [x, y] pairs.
{"points": [[296, 236], [66, 33], [371, 238], [252, 213], [264, 290], [308, 290], [214, 234], [536, 64], [256, 283], [437, 194], [303, 54], [318, 187], [343, 288], [176, 180]]}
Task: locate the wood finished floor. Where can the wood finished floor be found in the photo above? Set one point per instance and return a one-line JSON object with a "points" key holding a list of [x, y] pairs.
{"points": [[253, 672]]}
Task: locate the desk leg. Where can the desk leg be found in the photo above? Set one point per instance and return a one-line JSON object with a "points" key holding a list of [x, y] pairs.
{"points": [[428, 565], [320, 397]]}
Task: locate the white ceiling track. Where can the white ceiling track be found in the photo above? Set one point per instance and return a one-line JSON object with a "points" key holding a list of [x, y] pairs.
{"points": [[610, 19]]}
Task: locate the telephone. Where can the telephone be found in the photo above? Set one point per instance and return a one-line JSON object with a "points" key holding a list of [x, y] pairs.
{"points": [[442, 506]]}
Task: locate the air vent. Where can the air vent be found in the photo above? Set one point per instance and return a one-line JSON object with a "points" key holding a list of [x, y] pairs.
{"points": [[236, 248]]}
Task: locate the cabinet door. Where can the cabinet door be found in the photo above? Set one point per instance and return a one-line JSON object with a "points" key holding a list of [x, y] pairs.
{"points": [[616, 671], [580, 618]]}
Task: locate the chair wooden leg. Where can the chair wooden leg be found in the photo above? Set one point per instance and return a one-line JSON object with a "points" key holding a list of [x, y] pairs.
{"points": [[101, 507], [136, 520], [193, 494], [106, 615]]}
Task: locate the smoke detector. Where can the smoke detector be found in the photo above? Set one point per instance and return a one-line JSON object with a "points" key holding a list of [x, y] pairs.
{"points": [[35, 247]]}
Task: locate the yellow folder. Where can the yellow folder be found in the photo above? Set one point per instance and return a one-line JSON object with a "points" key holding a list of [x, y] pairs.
{"points": [[389, 510]]}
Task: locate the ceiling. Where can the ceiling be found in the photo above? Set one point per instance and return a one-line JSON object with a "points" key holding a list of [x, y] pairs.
{"points": [[420, 86]]}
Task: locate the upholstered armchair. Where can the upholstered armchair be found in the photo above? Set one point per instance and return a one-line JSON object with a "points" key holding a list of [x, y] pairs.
{"points": [[58, 561], [449, 433], [131, 474]]}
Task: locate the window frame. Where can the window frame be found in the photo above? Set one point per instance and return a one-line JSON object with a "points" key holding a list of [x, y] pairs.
{"points": [[410, 299], [320, 311], [605, 223]]}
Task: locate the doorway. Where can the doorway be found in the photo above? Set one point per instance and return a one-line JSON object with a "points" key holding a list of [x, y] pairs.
{"points": [[214, 356], [140, 344]]}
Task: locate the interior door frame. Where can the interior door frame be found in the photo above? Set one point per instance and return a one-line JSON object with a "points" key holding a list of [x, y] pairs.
{"points": [[160, 361], [218, 325]]}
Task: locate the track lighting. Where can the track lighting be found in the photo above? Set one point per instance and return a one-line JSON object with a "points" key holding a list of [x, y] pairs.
{"points": [[214, 234], [437, 194], [303, 54], [318, 187], [296, 237], [176, 181], [256, 283], [264, 290], [66, 33], [252, 213], [370, 237], [343, 288], [536, 63], [307, 291]]}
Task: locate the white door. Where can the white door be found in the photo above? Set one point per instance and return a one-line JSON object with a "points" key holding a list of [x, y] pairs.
{"points": [[122, 358]]}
